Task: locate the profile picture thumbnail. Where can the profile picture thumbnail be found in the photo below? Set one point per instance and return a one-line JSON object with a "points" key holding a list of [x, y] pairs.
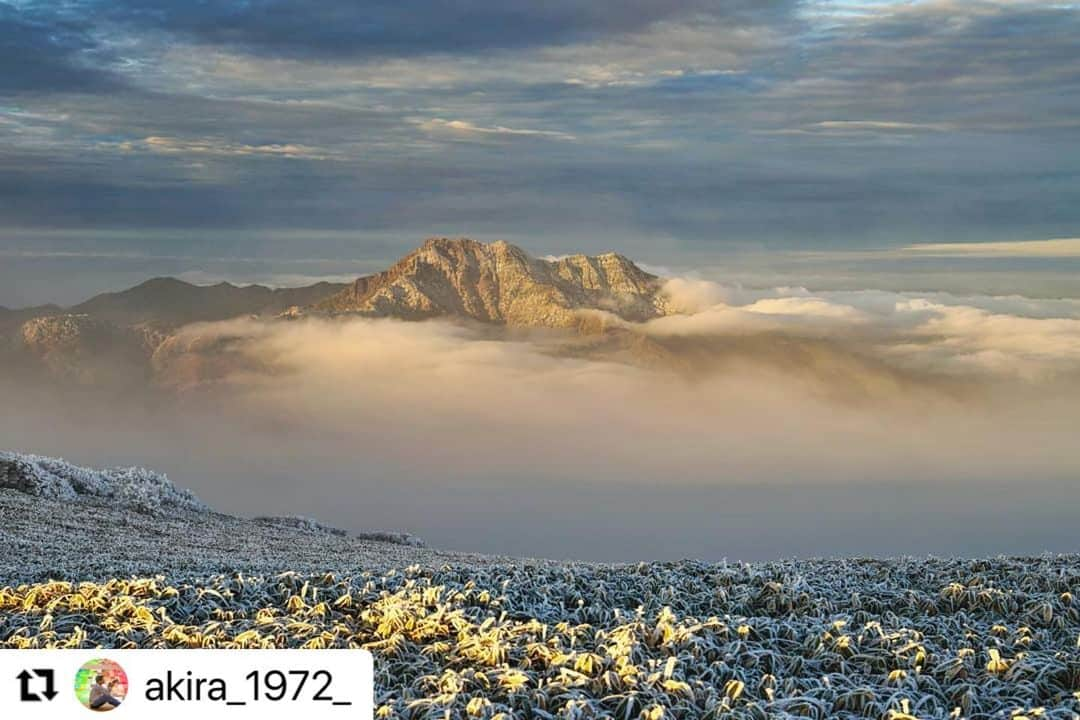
{"points": [[101, 685]]}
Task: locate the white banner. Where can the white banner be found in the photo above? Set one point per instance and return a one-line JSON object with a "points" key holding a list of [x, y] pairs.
{"points": [[186, 684]]}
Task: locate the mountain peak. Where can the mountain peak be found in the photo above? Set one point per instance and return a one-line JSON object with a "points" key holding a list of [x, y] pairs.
{"points": [[162, 282], [466, 246], [501, 283], [445, 243]]}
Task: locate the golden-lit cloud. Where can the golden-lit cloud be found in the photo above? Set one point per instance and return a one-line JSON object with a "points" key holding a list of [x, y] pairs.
{"points": [[1059, 247]]}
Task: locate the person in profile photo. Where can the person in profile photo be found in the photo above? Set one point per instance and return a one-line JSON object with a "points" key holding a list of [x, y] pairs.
{"points": [[101, 685], [101, 693]]}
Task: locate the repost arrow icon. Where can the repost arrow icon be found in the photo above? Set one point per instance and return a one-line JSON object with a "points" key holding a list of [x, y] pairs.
{"points": [[25, 694], [24, 688], [50, 690]]}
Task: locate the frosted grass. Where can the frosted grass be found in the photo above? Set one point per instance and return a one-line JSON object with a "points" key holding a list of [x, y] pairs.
{"points": [[458, 636]]}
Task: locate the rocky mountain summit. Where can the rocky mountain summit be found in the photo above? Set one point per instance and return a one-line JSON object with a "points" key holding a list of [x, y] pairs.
{"points": [[501, 283]]}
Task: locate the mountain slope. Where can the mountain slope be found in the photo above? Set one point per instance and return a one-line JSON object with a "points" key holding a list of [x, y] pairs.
{"points": [[168, 302], [10, 319], [500, 283], [86, 350], [110, 339]]}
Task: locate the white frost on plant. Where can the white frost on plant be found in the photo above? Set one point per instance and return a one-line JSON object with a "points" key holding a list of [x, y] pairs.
{"points": [[300, 522], [132, 488], [398, 538], [306, 524]]}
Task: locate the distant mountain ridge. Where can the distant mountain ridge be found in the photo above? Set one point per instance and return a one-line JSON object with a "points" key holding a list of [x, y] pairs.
{"points": [[111, 338], [166, 301], [445, 277], [138, 332]]}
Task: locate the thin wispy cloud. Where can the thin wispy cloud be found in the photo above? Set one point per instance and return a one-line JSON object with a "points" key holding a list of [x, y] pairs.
{"points": [[220, 148], [463, 128], [859, 129], [878, 126]]}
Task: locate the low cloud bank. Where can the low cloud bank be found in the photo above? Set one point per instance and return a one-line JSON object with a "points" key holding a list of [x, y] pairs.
{"points": [[531, 443], [975, 337]]}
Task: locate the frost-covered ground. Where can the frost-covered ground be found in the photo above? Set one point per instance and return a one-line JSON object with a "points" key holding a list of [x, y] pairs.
{"points": [[42, 538], [481, 637], [62, 520]]}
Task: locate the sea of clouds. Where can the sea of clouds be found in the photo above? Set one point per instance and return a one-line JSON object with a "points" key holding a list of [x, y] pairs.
{"points": [[775, 422]]}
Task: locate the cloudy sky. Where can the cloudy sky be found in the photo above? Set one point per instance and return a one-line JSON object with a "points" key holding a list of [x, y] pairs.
{"points": [[334, 135]]}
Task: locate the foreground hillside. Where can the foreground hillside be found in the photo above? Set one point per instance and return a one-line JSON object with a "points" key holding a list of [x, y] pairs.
{"points": [[62, 520], [478, 637]]}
